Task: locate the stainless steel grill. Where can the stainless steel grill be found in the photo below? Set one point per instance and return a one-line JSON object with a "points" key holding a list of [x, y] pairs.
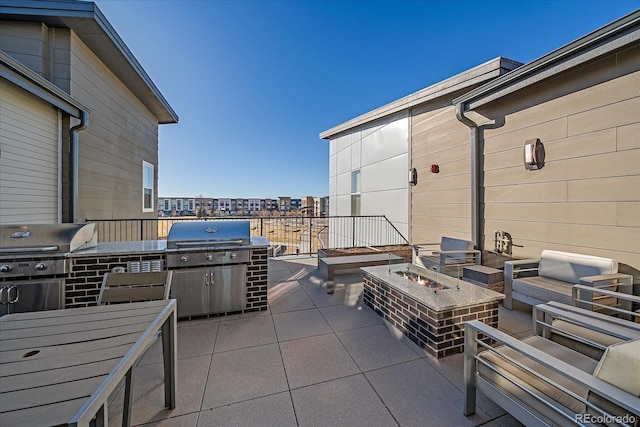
{"points": [[33, 263], [209, 259], [204, 243], [40, 249]]}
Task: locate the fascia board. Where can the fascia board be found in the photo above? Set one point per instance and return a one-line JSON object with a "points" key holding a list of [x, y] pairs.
{"points": [[474, 76]]}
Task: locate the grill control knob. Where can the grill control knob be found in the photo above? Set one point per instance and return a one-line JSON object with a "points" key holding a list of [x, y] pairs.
{"points": [[209, 257], [184, 258], [41, 266], [6, 268]]}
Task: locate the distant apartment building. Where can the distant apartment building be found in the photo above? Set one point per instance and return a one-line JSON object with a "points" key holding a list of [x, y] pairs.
{"points": [[314, 206], [206, 206]]}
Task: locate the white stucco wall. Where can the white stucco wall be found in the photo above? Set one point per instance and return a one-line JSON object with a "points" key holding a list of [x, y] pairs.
{"points": [[380, 151]]}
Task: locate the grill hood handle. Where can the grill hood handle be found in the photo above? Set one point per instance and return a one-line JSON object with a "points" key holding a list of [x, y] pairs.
{"points": [[23, 250]]}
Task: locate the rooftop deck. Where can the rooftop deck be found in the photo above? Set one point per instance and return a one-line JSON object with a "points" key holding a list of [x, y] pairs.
{"points": [[311, 359]]}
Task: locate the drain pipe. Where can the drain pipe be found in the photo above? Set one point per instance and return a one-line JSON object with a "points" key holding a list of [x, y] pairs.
{"points": [[73, 166], [476, 233]]}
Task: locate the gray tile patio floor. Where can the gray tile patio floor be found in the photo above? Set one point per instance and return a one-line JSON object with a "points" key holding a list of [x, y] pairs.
{"points": [[312, 359]]}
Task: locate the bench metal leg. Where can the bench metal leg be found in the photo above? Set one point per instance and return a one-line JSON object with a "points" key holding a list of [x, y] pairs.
{"points": [[169, 357], [470, 351], [128, 398]]}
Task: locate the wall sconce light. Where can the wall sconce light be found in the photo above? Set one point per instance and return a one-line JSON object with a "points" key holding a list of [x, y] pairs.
{"points": [[413, 176], [533, 154], [434, 168]]}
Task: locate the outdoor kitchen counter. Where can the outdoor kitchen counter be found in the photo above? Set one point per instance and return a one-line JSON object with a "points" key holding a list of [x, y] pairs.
{"points": [[445, 299], [141, 247], [119, 248]]}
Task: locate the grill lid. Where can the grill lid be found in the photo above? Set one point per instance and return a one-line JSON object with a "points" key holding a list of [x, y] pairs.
{"points": [[199, 233], [46, 238]]}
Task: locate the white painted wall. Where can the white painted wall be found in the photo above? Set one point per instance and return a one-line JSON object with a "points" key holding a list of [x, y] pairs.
{"points": [[380, 151]]}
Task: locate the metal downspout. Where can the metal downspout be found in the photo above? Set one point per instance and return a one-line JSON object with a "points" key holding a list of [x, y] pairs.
{"points": [[475, 175], [73, 166]]}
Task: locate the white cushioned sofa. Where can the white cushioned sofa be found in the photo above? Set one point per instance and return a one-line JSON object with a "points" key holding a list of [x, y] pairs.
{"points": [[552, 277]]}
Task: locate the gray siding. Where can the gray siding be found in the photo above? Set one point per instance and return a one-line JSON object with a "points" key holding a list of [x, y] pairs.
{"points": [[440, 203], [586, 199], [121, 134], [29, 161]]}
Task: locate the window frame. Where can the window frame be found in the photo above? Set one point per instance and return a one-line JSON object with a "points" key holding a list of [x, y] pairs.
{"points": [[145, 167]]}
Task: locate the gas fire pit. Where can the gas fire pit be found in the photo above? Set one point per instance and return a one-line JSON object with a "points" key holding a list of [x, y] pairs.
{"points": [[423, 280], [429, 308]]}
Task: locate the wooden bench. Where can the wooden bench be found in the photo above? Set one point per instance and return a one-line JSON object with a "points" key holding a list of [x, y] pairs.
{"points": [[329, 265]]}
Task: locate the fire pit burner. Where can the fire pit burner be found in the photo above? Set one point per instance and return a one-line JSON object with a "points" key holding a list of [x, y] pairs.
{"points": [[422, 280]]}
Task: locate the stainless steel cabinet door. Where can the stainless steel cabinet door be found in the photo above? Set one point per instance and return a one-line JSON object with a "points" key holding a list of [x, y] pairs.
{"points": [[31, 295], [190, 288], [228, 288]]}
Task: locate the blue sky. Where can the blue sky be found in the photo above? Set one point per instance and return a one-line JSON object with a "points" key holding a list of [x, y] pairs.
{"points": [[255, 82]]}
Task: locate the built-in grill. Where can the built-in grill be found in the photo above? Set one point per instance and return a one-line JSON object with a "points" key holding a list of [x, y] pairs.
{"points": [[33, 263], [210, 260]]}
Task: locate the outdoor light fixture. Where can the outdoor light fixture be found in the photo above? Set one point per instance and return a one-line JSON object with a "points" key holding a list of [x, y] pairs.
{"points": [[533, 154], [434, 168], [413, 176]]}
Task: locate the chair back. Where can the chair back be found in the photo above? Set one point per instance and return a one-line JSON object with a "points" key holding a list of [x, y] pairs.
{"points": [[134, 287]]}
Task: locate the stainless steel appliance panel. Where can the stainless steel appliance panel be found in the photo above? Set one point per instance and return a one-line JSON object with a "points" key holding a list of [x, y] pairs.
{"points": [[205, 258], [228, 289], [188, 287], [31, 295]]}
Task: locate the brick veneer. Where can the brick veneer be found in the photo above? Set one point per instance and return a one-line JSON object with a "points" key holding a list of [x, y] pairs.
{"points": [[439, 333], [257, 280], [83, 282]]}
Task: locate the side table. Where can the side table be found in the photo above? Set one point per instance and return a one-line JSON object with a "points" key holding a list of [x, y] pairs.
{"points": [[487, 277]]}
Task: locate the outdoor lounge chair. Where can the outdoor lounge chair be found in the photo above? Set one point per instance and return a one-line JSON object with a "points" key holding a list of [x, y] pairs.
{"points": [[584, 330], [452, 255], [134, 287], [541, 382]]}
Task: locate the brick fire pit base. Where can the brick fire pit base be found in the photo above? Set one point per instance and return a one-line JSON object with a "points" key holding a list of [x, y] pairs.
{"points": [[433, 320]]}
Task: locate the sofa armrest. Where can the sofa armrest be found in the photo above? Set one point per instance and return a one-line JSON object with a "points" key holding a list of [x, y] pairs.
{"points": [[469, 256], [513, 270], [594, 331], [472, 343], [624, 281], [586, 296]]}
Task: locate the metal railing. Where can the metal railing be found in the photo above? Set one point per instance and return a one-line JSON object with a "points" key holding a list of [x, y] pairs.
{"points": [[287, 234]]}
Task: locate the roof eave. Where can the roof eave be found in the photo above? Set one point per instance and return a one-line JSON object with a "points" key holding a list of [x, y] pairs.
{"points": [[16, 73], [474, 76], [598, 43], [87, 21]]}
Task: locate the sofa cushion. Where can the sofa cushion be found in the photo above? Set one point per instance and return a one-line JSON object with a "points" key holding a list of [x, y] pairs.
{"points": [[569, 267], [620, 367], [543, 289], [583, 332]]}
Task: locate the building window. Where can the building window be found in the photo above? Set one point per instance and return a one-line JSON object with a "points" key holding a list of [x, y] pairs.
{"points": [[355, 193], [355, 181], [167, 205], [147, 187]]}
